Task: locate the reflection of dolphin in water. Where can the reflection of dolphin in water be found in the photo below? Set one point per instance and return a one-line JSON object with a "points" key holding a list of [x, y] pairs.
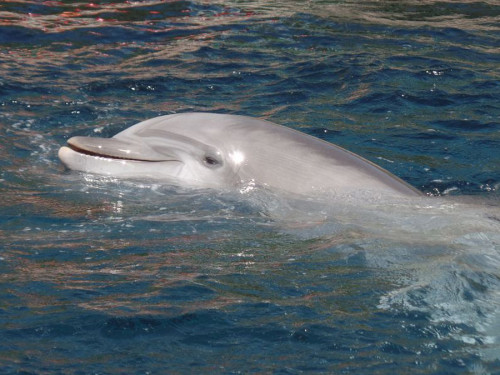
{"points": [[217, 150]]}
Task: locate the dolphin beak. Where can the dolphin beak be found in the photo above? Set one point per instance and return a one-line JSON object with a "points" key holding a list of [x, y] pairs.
{"points": [[116, 149]]}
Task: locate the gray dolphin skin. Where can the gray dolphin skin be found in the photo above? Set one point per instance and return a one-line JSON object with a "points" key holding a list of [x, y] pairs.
{"points": [[224, 151]]}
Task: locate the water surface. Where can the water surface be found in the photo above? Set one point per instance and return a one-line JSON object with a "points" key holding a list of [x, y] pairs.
{"points": [[116, 277]]}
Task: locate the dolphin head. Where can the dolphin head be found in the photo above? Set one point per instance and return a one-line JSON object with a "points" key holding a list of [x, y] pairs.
{"points": [[156, 151]]}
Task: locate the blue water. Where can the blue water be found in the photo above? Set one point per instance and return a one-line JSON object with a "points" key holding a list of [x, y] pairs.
{"points": [[101, 276]]}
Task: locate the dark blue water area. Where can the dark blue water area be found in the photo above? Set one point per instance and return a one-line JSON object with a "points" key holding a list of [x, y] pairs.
{"points": [[103, 276]]}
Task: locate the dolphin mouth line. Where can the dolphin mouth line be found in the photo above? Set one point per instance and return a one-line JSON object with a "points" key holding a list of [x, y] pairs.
{"points": [[102, 155]]}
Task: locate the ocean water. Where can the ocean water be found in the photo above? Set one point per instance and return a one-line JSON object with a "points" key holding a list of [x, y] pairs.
{"points": [[105, 276]]}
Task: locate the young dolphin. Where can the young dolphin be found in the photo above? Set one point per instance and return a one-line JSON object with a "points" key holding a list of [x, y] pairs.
{"points": [[222, 151]]}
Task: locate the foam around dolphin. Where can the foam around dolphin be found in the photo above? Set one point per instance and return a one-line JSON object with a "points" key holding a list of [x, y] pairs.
{"points": [[224, 151]]}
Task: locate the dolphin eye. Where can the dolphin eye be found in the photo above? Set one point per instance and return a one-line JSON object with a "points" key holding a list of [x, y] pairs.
{"points": [[211, 161]]}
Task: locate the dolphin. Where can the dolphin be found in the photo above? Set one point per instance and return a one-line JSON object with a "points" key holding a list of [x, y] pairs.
{"points": [[208, 150]]}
